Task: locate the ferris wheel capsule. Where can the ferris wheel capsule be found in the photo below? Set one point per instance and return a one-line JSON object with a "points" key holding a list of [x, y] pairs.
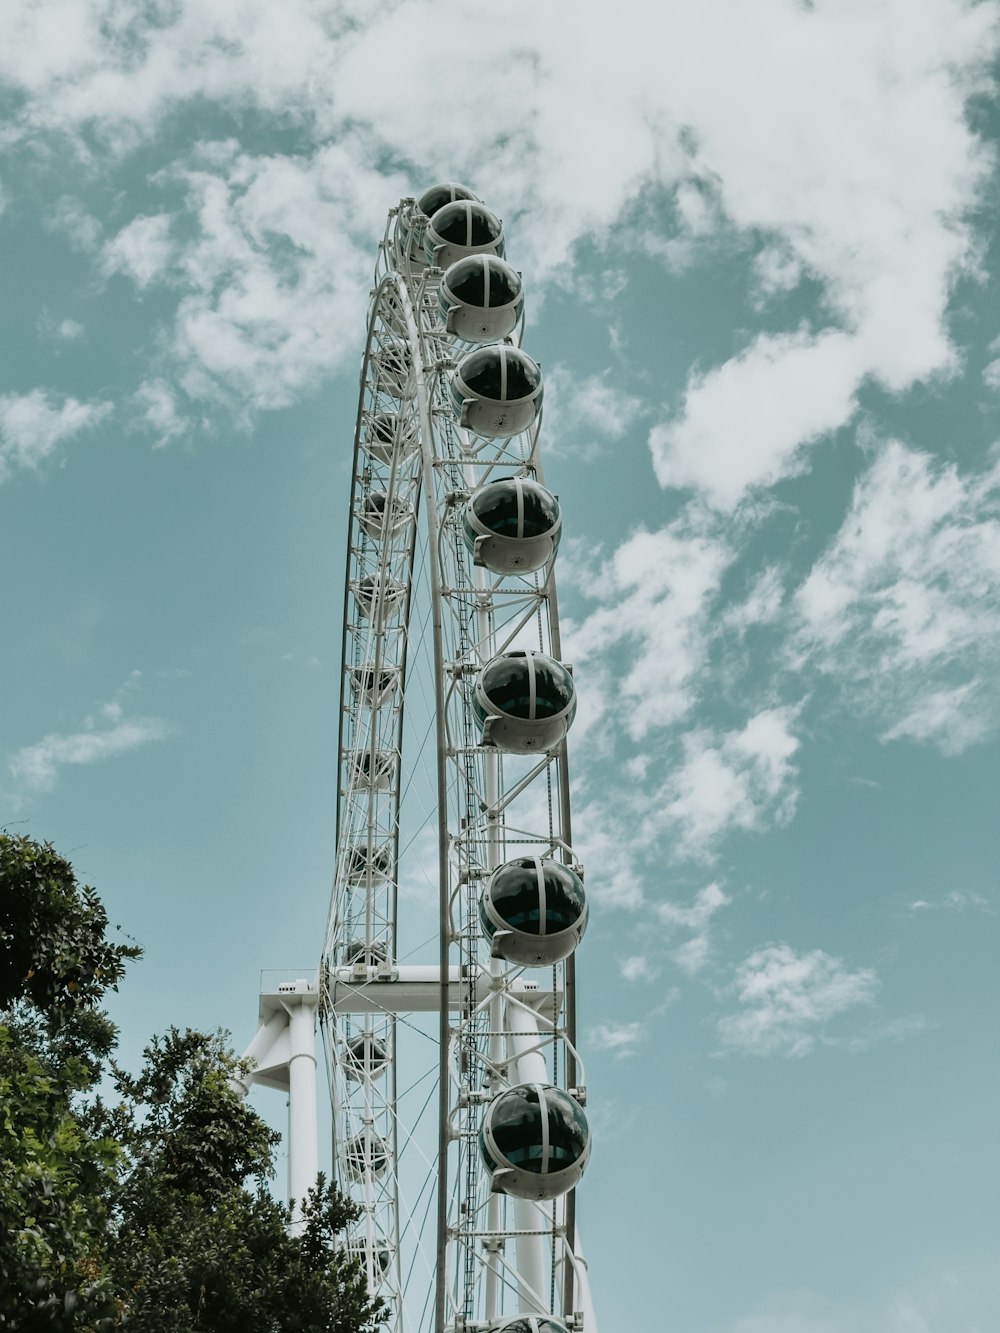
{"points": [[496, 391], [384, 431], [417, 216], [364, 1057], [462, 228], [512, 525], [481, 299], [365, 1153], [369, 952], [524, 701], [371, 686], [378, 596], [382, 518], [535, 1141], [393, 361], [374, 776], [534, 910], [364, 866], [382, 1256]]}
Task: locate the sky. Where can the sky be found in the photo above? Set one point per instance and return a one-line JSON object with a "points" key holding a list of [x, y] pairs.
{"points": [[760, 251]]}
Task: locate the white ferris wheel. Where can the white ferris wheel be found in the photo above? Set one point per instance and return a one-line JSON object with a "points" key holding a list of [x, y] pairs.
{"points": [[449, 1034]]}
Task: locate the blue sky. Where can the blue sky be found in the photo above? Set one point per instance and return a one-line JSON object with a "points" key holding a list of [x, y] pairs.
{"points": [[760, 248]]}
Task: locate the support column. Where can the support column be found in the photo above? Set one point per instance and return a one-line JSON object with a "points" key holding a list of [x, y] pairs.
{"points": [[303, 1150], [522, 1026]]}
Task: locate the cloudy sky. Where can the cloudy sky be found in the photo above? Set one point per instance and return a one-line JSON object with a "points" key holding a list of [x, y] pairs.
{"points": [[759, 241]]}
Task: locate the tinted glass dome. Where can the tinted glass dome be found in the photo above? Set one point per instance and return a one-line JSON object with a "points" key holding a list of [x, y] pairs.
{"points": [[358, 861], [371, 590], [465, 223], [438, 195], [365, 1050], [368, 679], [535, 1131], [528, 686], [360, 951], [516, 507], [501, 373], [484, 281], [536, 896], [365, 1152]]}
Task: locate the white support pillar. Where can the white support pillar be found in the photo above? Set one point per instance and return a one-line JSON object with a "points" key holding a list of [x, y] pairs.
{"points": [[522, 1029], [303, 1148], [283, 1052]]}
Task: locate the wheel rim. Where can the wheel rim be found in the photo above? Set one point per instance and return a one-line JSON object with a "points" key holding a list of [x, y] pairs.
{"points": [[440, 1245]]}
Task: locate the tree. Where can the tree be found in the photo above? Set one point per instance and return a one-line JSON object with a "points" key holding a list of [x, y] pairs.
{"points": [[136, 1216], [56, 1175], [194, 1248]]}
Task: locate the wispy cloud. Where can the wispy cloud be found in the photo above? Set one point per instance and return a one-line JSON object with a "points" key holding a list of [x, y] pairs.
{"points": [[746, 423], [583, 410], [34, 424], [142, 250], [105, 735], [158, 410], [903, 609], [59, 330], [692, 955], [785, 1000], [744, 779], [638, 967], [956, 900], [620, 1039], [654, 597]]}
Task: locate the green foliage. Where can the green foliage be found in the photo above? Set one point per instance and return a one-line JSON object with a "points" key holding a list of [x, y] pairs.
{"points": [[150, 1215], [55, 1181], [195, 1250], [54, 953], [56, 1176]]}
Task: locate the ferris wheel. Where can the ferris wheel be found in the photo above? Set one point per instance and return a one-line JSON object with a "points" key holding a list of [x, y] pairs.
{"points": [[446, 992]]}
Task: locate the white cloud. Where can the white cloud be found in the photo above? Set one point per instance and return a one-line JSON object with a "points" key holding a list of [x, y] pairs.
{"points": [[955, 901], [746, 422], [159, 413], [38, 765], [762, 604], [867, 194], [621, 1039], [71, 219], [59, 330], [142, 250], [904, 606], [776, 269], [33, 424], [656, 592], [786, 1000], [744, 779], [275, 279], [638, 967], [578, 407], [692, 955]]}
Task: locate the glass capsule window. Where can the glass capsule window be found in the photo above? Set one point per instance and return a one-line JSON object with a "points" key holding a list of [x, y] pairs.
{"points": [[514, 893], [366, 1153], [526, 686], [466, 223], [483, 281], [500, 373], [515, 1125], [368, 679], [437, 196], [516, 507]]}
